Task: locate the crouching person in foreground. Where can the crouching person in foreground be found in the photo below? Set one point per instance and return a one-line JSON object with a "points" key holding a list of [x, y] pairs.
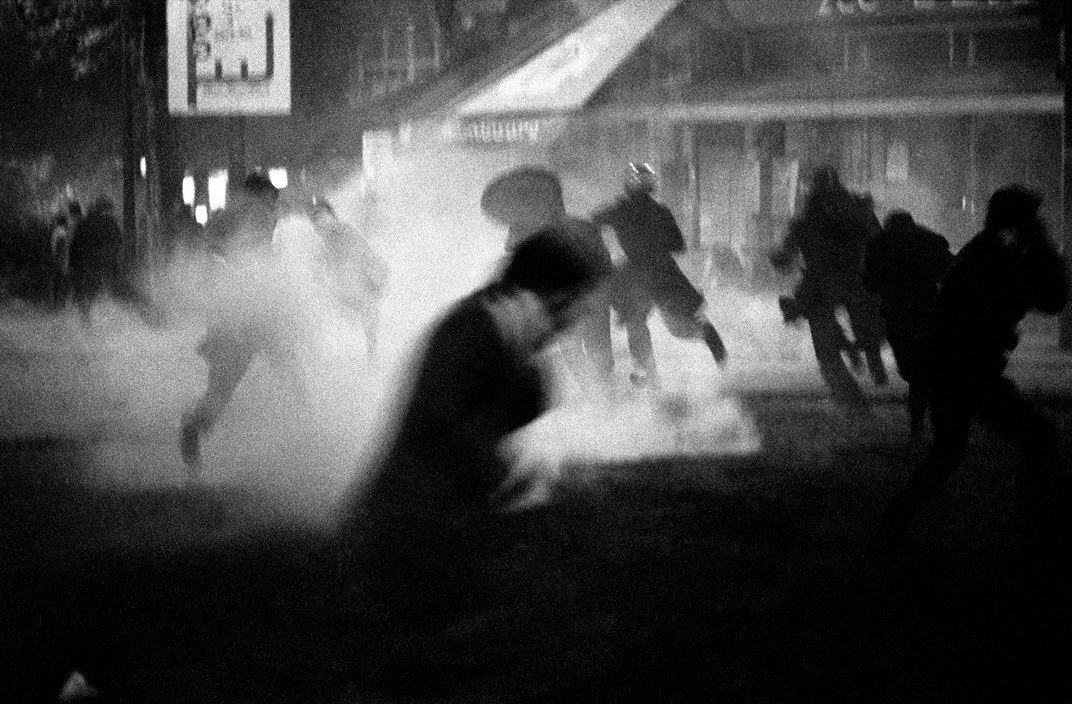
{"points": [[470, 608]]}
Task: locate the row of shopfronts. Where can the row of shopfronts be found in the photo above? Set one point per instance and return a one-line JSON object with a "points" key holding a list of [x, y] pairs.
{"points": [[927, 106]]}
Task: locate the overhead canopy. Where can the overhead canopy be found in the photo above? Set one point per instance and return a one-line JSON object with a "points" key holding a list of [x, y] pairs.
{"points": [[565, 75]]}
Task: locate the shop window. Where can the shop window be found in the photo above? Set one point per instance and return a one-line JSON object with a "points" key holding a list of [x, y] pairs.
{"points": [[217, 190], [897, 161], [1007, 45], [278, 177], [189, 189], [922, 49]]}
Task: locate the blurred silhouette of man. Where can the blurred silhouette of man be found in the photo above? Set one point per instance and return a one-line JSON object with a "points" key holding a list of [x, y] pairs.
{"points": [[184, 231], [240, 235], [830, 235], [60, 259], [358, 273], [529, 200], [650, 278], [1008, 269], [429, 539], [904, 266], [99, 264]]}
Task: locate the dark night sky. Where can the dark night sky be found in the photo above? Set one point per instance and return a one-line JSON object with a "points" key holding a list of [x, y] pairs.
{"points": [[43, 105]]}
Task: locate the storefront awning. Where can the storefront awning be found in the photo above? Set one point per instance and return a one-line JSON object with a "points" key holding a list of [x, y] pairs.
{"points": [[842, 108], [565, 75]]}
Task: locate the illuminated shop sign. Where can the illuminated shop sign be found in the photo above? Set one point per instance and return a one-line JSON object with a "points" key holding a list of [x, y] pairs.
{"points": [[228, 57], [502, 130], [850, 8]]}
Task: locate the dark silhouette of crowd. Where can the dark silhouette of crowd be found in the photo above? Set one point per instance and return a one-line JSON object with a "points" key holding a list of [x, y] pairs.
{"points": [[1006, 271], [78, 258]]}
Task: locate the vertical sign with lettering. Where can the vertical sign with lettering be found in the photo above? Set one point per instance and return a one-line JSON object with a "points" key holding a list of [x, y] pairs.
{"points": [[228, 57]]}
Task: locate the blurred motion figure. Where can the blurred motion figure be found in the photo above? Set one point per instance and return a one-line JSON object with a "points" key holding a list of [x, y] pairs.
{"points": [[99, 264], [241, 238], [1008, 269], [830, 235], [904, 266], [432, 539], [358, 275], [529, 200]]}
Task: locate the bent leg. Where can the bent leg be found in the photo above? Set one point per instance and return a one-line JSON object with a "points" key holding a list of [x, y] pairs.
{"points": [[917, 408], [597, 342], [229, 356], [828, 339], [1004, 408], [951, 414]]}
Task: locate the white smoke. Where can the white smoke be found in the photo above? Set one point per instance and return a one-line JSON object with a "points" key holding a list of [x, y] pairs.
{"points": [[306, 421]]}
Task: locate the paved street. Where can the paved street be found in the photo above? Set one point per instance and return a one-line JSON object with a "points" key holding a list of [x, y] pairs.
{"points": [[722, 526]]}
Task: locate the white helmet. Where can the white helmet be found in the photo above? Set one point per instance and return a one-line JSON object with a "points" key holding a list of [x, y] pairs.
{"points": [[640, 178]]}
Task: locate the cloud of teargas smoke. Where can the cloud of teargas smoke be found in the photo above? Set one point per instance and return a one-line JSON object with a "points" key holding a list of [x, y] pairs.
{"points": [[309, 416]]}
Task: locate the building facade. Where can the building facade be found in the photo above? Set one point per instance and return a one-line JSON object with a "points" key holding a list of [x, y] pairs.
{"points": [[928, 105]]}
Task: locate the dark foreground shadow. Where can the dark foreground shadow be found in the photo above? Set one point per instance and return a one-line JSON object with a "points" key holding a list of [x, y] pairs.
{"points": [[688, 580]]}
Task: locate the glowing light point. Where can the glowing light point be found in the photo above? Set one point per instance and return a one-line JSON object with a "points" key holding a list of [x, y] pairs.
{"points": [[217, 189], [278, 177], [188, 190]]}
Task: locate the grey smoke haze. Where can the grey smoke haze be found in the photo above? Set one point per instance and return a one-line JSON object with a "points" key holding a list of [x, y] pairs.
{"points": [[305, 425]]}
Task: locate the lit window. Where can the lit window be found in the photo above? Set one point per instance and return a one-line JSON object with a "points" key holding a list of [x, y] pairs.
{"points": [[201, 214], [188, 190], [278, 177], [897, 161], [217, 189]]}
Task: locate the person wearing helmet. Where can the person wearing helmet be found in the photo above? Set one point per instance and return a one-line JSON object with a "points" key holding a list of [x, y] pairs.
{"points": [[650, 277], [1008, 269]]}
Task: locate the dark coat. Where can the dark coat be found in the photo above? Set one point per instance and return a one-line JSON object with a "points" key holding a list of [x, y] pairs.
{"points": [[581, 233], [97, 246], [987, 292], [426, 524], [649, 236], [646, 229], [831, 236], [904, 266]]}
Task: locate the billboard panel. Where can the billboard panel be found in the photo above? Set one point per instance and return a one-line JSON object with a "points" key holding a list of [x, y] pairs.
{"points": [[228, 57]]}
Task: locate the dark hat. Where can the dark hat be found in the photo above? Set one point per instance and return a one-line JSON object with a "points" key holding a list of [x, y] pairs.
{"points": [[1012, 206], [548, 263], [899, 219], [257, 183], [525, 195]]}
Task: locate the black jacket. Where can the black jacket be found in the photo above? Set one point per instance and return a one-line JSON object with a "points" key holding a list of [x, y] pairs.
{"points": [[987, 292], [904, 266], [646, 229], [430, 510]]}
